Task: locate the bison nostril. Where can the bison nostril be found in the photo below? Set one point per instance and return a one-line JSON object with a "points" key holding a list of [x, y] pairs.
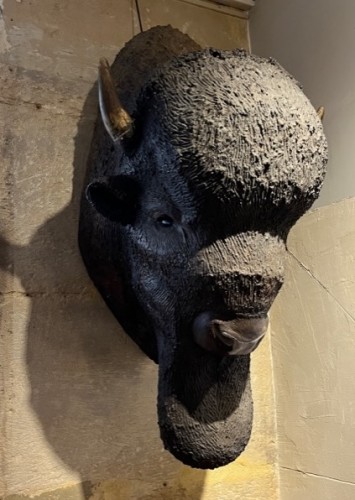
{"points": [[242, 329], [221, 335], [238, 336], [226, 338]]}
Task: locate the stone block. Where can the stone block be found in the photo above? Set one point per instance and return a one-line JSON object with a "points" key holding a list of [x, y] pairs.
{"points": [[206, 26], [65, 39]]}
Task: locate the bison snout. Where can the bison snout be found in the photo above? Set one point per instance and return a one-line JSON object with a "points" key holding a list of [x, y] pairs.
{"points": [[231, 337]]}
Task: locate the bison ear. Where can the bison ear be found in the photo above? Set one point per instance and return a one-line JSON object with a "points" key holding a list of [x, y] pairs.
{"points": [[115, 198]]}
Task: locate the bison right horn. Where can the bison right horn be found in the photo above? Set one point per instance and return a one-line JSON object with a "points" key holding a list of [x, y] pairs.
{"points": [[320, 112], [117, 121]]}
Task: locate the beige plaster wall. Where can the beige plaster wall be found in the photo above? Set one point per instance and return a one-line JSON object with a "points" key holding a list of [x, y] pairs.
{"points": [[313, 319], [78, 400], [313, 344]]}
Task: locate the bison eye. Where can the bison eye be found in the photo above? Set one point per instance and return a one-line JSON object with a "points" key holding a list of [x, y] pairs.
{"points": [[164, 221]]}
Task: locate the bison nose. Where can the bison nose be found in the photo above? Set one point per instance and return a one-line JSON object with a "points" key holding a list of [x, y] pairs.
{"points": [[232, 337]]}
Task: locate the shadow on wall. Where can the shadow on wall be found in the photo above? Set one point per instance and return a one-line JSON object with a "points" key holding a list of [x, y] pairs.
{"points": [[92, 391]]}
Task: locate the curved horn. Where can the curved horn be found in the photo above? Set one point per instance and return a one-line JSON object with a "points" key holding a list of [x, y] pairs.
{"points": [[117, 121], [320, 112]]}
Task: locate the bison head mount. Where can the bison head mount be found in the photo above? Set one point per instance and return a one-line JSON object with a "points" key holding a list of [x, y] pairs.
{"points": [[202, 162]]}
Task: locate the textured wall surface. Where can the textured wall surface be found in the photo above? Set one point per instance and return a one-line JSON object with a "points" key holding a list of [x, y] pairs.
{"points": [[313, 345], [313, 320], [78, 400]]}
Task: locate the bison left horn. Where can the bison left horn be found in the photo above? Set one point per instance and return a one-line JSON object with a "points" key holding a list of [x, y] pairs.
{"points": [[117, 121]]}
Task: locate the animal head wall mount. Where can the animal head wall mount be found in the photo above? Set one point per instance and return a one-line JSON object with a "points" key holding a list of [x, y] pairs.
{"points": [[201, 164]]}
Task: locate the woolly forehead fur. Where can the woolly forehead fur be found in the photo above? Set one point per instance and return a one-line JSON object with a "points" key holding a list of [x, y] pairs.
{"points": [[239, 124]]}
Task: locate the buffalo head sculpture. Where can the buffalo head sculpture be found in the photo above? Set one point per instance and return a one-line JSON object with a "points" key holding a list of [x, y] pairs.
{"points": [[201, 164]]}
